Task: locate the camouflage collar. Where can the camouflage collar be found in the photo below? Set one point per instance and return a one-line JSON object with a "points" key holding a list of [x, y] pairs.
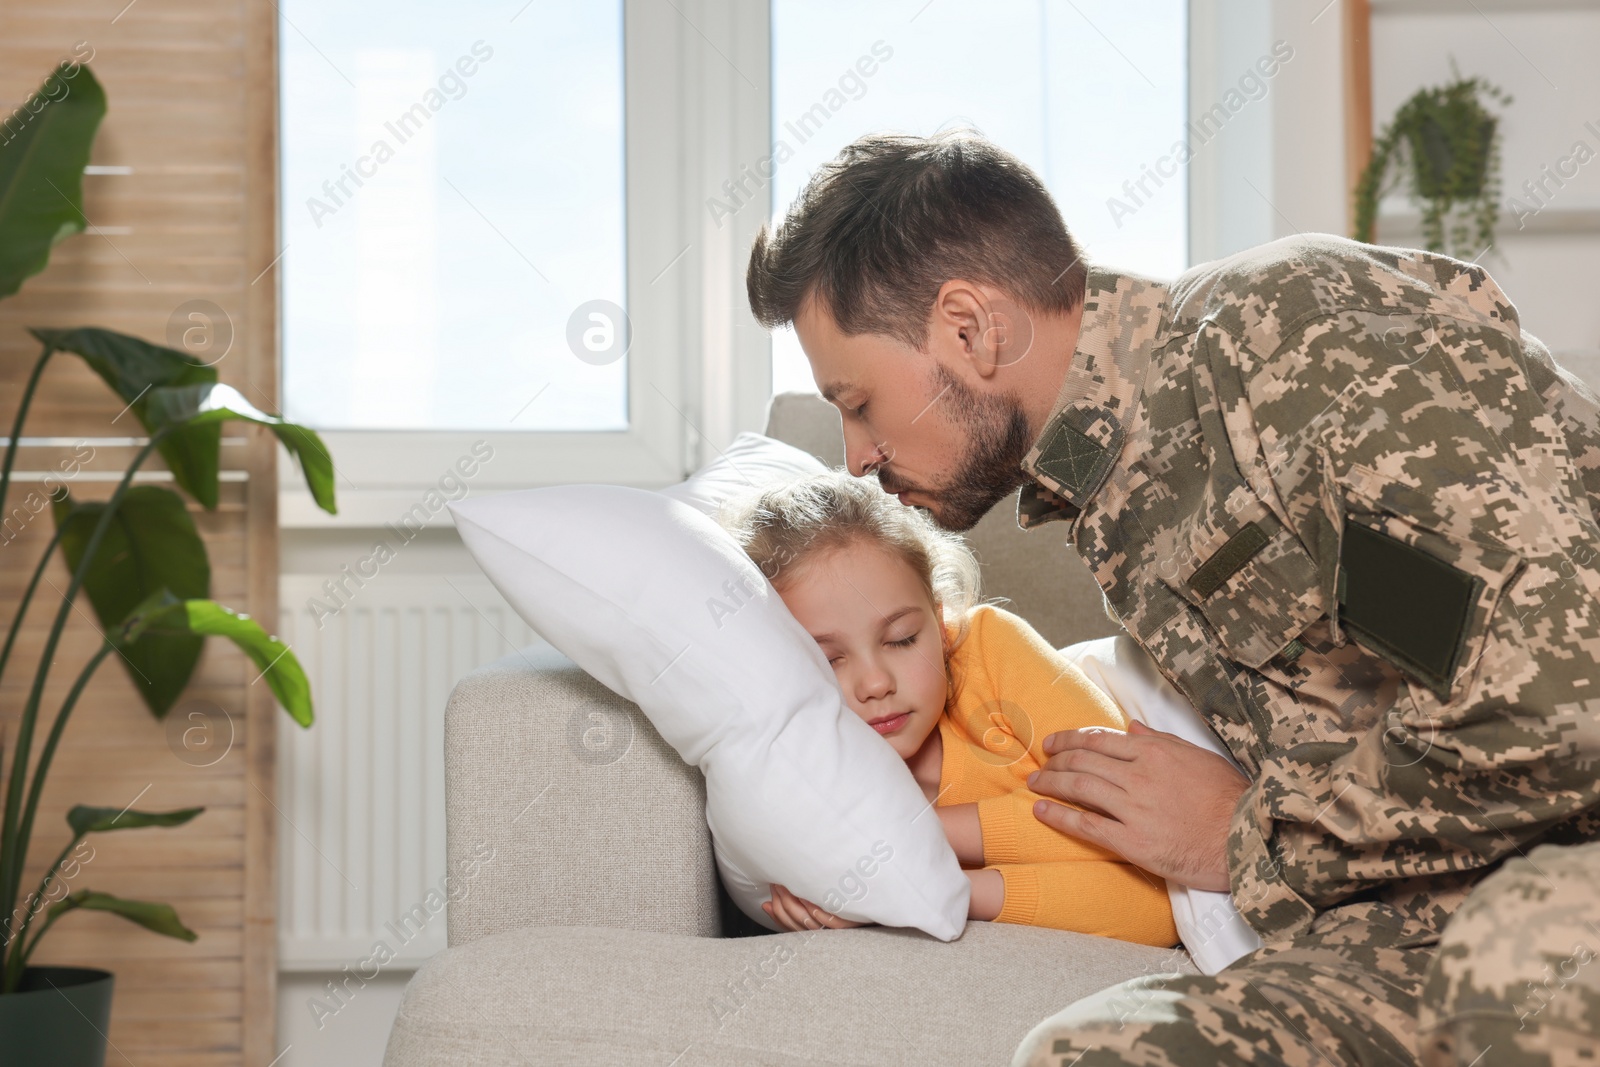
{"points": [[1124, 318]]}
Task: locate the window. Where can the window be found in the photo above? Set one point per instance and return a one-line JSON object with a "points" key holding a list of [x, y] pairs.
{"points": [[543, 168], [1089, 94], [452, 197]]}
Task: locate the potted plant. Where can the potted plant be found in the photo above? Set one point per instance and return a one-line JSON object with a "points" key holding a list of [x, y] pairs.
{"points": [[1445, 142], [138, 558]]}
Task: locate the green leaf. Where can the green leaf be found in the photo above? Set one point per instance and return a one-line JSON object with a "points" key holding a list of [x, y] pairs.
{"points": [[86, 820], [281, 669], [165, 389], [151, 544], [158, 917], [133, 368], [164, 613], [200, 406], [41, 171], [129, 365]]}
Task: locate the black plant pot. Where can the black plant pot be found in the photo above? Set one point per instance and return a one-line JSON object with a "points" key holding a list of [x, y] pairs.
{"points": [[58, 1017], [1434, 156]]}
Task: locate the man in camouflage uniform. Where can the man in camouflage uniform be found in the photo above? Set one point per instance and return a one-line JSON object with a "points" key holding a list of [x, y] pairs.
{"points": [[1349, 508], [1348, 505]]}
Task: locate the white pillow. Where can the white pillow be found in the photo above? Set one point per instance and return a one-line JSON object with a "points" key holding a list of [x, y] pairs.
{"points": [[1213, 931], [751, 461], [659, 603]]}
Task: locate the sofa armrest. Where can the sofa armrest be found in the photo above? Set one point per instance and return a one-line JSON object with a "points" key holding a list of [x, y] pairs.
{"points": [[568, 809]]}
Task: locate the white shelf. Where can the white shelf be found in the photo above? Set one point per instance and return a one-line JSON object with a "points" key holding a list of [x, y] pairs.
{"points": [[1565, 221], [1476, 7]]}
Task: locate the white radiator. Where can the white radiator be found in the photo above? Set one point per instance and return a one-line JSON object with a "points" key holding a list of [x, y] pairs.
{"points": [[361, 793]]}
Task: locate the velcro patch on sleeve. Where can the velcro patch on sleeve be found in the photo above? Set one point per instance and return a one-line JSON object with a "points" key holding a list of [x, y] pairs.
{"points": [[1407, 604]]}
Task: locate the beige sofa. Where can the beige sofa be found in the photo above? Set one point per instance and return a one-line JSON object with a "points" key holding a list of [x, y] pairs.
{"points": [[589, 927]]}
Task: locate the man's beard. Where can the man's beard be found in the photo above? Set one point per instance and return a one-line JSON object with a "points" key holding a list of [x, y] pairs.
{"points": [[999, 441]]}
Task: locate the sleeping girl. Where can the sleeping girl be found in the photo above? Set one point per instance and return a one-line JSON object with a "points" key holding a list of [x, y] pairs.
{"points": [[965, 693]]}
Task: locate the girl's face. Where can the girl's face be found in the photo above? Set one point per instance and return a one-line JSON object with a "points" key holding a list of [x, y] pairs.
{"points": [[881, 634]]}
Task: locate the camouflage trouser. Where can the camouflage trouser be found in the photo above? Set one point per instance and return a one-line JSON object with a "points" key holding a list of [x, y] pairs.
{"points": [[1516, 979], [1508, 984]]}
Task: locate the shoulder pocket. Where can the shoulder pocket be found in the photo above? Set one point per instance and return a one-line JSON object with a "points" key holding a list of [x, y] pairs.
{"points": [[1250, 577], [1416, 583]]}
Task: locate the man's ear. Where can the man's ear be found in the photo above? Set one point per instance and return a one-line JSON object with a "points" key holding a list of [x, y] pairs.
{"points": [[995, 330], [959, 306]]}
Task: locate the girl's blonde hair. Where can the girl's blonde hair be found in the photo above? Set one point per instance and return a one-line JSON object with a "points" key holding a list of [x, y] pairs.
{"points": [[783, 526]]}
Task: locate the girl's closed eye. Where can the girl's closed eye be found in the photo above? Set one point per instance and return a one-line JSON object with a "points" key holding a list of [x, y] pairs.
{"points": [[904, 642]]}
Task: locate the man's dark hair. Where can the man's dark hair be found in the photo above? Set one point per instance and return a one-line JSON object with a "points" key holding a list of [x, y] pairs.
{"points": [[881, 227]]}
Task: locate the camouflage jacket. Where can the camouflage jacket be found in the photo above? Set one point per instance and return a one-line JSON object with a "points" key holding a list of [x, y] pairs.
{"points": [[1348, 505]]}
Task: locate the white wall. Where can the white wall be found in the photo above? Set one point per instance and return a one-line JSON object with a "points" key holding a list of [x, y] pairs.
{"points": [[1542, 54], [1308, 122], [354, 1036]]}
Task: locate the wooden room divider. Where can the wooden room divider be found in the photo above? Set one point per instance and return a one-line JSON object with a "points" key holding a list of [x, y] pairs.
{"points": [[180, 200]]}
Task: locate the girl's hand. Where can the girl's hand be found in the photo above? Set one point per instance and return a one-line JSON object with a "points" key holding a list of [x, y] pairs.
{"points": [[796, 915]]}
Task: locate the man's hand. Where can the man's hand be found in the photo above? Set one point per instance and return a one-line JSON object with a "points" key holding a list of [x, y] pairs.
{"points": [[1160, 802]]}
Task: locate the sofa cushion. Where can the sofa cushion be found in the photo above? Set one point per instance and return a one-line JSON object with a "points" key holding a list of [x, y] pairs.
{"points": [[594, 996], [590, 817]]}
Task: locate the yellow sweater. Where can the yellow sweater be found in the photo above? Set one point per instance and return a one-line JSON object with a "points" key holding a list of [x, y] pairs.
{"points": [[1012, 691]]}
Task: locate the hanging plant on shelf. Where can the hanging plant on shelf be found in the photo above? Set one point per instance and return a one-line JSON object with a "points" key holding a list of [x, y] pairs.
{"points": [[1446, 144]]}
